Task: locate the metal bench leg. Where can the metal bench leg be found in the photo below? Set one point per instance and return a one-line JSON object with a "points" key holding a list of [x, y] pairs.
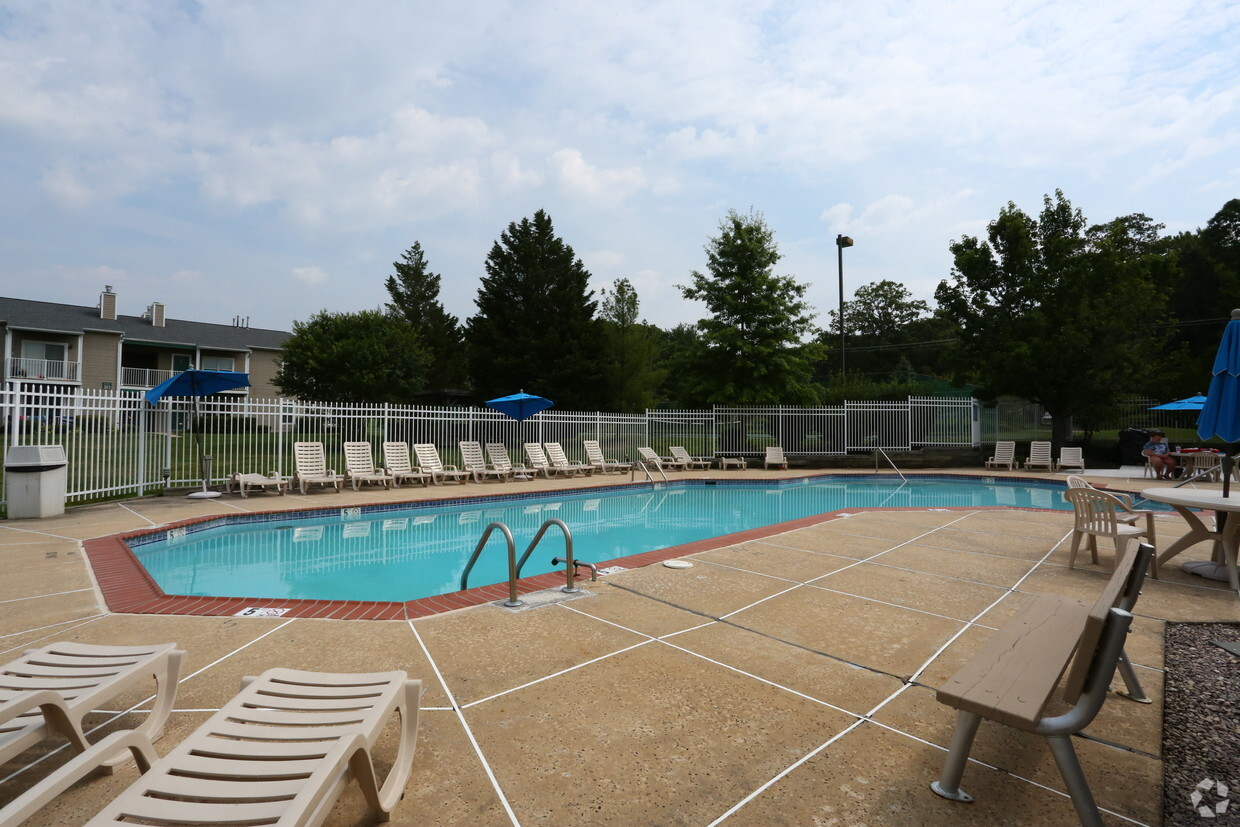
{"points": [[1078, 787], [948, 784], [1131, 683]]}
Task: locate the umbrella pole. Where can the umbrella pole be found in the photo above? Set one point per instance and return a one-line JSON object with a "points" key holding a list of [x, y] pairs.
{"points": [[204, 461]]}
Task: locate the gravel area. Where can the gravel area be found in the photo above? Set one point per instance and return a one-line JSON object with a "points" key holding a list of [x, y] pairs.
{"points": [[1201, 724]]}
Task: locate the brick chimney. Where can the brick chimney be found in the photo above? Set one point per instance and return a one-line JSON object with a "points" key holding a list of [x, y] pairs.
{"points": [[157, 314], [107, 303]]}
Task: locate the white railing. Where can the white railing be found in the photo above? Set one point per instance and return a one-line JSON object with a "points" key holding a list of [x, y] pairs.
{"points": [[144, 377], [42, 369], [118, 445]]}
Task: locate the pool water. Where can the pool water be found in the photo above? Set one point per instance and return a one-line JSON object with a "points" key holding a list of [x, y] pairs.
{"points": [[421, 551]]}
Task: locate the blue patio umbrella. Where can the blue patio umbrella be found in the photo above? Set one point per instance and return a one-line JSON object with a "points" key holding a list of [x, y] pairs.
{"points": [[1192, 403], [520, 406], [196, 384]]}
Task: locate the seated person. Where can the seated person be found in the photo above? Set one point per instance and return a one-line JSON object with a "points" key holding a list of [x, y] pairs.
{"points": [[1159, 454]]}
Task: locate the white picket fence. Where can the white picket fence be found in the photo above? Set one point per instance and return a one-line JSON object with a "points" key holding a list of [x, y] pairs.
{"points": [[118, 445]]}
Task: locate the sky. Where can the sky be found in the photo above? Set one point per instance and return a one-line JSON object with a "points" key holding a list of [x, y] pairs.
{"points": [[273, 159]]}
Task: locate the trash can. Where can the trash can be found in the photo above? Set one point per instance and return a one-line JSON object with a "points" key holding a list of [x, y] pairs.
{"points": [[1131, 441], [35, 481]]}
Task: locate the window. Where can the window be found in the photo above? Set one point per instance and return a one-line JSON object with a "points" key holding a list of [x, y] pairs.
{"points": [[51, 351], [217, 363], [181, 363]]}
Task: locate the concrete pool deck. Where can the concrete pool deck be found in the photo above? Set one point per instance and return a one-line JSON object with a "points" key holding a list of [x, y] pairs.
{"points": [[784, 680]]}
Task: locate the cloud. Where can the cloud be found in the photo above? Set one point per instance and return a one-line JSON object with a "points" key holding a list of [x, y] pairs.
{"points": [[603, 187], [310, 276]]}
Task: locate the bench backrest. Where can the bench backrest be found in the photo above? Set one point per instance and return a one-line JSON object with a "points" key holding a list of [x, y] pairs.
{"points": [[1121, 592]]}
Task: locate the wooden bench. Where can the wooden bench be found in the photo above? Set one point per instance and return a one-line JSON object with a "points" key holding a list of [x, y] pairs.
{"points": [[1012, 678]]}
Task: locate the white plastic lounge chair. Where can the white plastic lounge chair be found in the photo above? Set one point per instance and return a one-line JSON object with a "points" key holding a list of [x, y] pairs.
{"points": [[559, 461], [594, 456], [244, 483], [312, 467], [280, 752], [538, 462], [775, 456], [429, 462], [652, 459], [687, 462], [498, 454], [473, 461], [396, 463], [1040, 456], [48, 691], [360, 466], [1005, 456], [1071, 458], [1102, 514]]}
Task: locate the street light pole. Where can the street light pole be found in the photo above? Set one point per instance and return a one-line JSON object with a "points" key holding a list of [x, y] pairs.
{"points": [[842, 241]]}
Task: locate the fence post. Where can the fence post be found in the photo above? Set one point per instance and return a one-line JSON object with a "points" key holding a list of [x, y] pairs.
{"points": [[141, 414]]}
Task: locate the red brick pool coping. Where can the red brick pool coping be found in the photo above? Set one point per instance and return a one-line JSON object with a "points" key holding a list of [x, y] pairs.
{"points": [[128, 588]]}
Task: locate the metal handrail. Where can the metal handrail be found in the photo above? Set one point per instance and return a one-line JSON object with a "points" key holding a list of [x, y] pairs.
{"points": [[568, 551], [878, 451], [512, 601], [645, 466]]}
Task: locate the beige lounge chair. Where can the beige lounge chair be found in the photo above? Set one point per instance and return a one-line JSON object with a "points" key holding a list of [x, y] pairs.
{"points": [[46, 692], [1071, 458], [429, 462], [244, 483], [649, 457], [1005, 456], [538, 462], [312, 467], [594, 456], [1102, 514], [559, 461], [360, 466], [687, 462], [775, 456], [473, 461], [280, 752], [396, 463], [1039, 456], [498, 454]]}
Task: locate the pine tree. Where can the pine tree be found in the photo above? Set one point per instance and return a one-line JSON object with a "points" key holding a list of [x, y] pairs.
{"points": [[535, 328], [415, 297]]}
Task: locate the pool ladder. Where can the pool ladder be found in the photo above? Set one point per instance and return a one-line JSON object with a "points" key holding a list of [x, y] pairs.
{"points": [[514, 565], [645, 466]]}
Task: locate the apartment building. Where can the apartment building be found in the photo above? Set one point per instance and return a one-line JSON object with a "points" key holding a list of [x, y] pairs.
{"points": [[66, 347]]}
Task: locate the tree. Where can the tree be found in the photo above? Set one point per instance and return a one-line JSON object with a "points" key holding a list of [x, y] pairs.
{"points": [[415, 297], [880, 309], [535, 327], [1055, 314], [880, 318], [754, 351], [630, 350], [370, 356]]}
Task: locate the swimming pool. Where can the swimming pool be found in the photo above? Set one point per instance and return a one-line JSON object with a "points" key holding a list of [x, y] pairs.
{"points": [[406, 552]]}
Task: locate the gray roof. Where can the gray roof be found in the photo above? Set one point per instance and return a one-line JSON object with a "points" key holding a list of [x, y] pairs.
{"points": [[70, 318]]}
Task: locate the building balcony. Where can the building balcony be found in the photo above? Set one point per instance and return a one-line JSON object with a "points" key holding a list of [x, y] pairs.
{"points": [[43, 369], [144, 377]]}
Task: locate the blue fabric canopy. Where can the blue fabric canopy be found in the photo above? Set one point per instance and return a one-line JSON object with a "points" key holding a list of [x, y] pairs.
{"points": [[1192, 403], [198, 383], [520, 406], [1221, 414]]}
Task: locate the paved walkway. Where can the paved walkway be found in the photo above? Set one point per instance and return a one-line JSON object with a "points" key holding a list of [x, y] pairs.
{"points": [[787, 680]]}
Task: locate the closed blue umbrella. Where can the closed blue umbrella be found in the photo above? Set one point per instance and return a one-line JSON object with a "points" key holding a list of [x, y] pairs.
{"points": [[520, 406], [196, 384], [1221, 414]]}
